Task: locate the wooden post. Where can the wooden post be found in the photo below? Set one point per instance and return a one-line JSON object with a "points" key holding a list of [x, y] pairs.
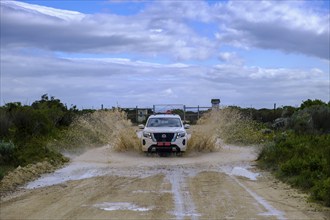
{"points": [[184, 113], [197, 112], [137, 114]]}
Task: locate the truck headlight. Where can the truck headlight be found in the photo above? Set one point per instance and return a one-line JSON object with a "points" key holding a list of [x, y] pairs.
{"points": [[147, 135], [181, 135]]}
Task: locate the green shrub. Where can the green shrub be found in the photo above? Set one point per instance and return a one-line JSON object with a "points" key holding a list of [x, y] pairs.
{"points": [[4, 169], [301, 160], [26, 130], [321, 191], [311, 120], [5, 123], [310, 103], [292, 167], [6, 152], [24, 122], [36, 150]]}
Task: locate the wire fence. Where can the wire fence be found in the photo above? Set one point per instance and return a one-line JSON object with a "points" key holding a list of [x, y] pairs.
{"points": [[189, 114]]}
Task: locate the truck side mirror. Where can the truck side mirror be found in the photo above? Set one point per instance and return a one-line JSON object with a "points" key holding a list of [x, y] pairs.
{"points": [[141, 126]]}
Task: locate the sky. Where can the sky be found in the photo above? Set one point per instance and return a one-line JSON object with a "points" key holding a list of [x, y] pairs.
{"points": [[144, 53]]}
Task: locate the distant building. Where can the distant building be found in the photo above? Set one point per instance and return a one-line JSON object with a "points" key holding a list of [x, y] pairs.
{"points": [[215, 103]]}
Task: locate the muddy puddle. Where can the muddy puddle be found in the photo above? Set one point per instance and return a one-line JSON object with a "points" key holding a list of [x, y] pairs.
{"points": [[104, 161]]}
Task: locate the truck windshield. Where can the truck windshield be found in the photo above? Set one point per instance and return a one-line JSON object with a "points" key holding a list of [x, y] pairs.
{"points": [[164, 122]]}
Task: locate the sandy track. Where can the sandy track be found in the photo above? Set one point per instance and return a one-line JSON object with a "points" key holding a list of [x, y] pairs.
{"points": [[102, 184]]}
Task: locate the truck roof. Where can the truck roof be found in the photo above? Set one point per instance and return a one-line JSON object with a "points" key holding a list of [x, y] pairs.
{"points": [[165, 116]]}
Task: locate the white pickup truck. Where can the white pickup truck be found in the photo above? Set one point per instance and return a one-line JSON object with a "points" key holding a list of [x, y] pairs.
{"points": [[164, 133]]}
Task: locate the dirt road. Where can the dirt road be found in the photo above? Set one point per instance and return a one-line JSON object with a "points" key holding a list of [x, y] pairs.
{"points": [[102, 184]]}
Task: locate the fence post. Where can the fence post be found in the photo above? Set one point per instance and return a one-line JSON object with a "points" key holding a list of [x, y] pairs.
{"points": [[184, 113], [137, 114], [197, 112]]}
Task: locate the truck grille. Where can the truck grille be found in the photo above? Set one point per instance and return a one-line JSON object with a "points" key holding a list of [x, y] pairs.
{"points": [[164, 137]]}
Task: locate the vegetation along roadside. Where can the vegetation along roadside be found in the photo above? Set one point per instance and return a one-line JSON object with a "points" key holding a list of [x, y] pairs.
{"points": [[299, 153], [295, 140]]}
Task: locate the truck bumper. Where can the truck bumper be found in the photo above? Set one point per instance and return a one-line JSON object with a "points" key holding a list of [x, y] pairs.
{"points": [[148, 145]]}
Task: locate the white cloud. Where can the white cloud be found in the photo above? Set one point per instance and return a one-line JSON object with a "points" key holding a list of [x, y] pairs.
{"points": [[99, 33], [42, 10], [164, 28], [198, 10], [289, 26], [231, 57]]}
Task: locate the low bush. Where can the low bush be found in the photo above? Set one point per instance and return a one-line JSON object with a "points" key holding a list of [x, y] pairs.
{"points": [[321, 191], [301, 160], [7, 150], [36, 150], [26, 130], [311, 120]]}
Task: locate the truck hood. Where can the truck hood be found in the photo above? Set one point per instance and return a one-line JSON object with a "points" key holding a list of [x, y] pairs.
{"points": [[164, 130]]}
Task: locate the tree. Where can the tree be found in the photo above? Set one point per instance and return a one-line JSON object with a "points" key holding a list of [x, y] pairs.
{"points": [[309, 103]]}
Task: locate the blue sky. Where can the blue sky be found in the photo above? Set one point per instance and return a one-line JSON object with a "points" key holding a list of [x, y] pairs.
{"points": [[88, 53]]}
